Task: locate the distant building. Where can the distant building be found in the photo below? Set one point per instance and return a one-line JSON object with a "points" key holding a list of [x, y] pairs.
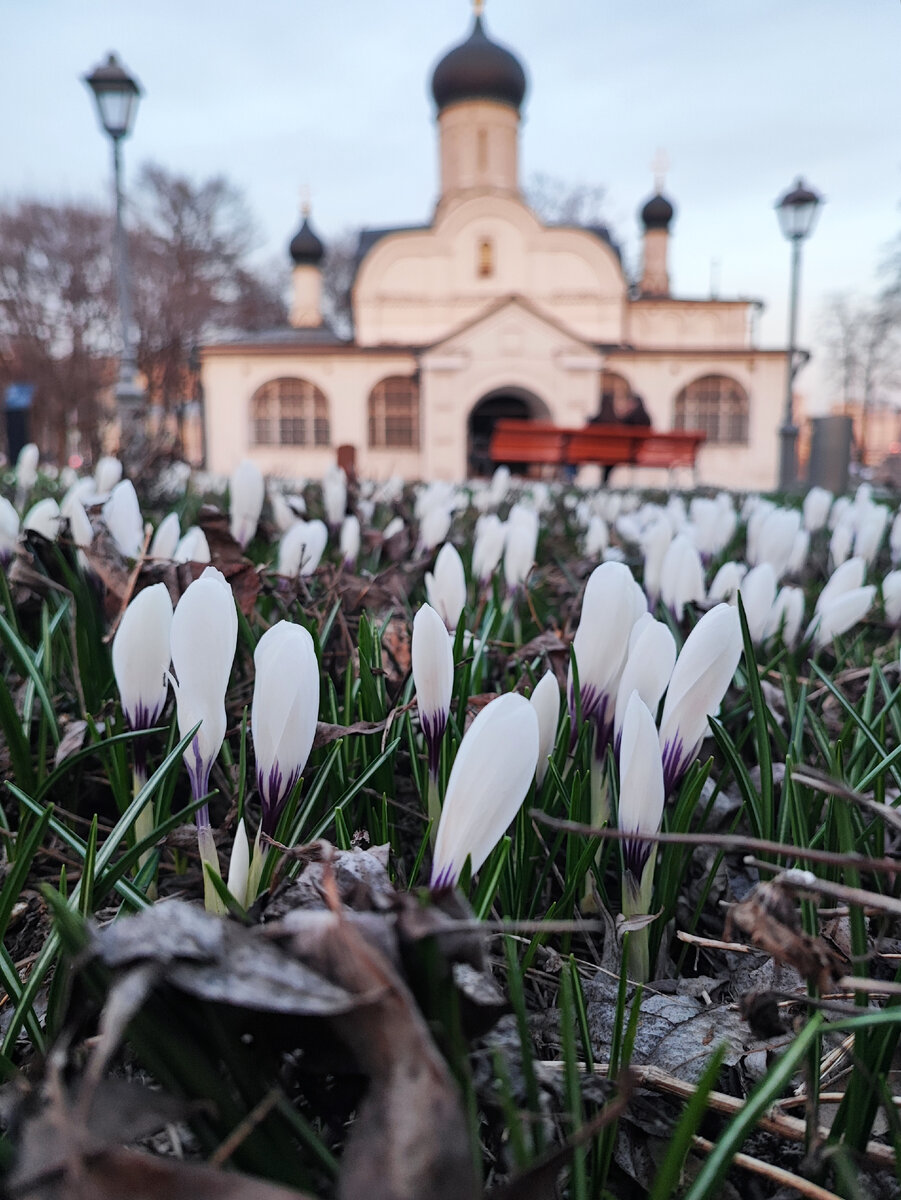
{"points": [[487, 312], [877, 430]]}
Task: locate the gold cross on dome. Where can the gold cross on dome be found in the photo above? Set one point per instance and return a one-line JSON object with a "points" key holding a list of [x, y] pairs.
{"points": [[477, 6], [660, 164], [305, 206]]}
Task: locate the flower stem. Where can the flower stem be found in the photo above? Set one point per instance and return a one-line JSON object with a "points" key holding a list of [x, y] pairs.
{"points": [[209, 858], [434, 808], [143, 825], [636, 903], [257, 863]]}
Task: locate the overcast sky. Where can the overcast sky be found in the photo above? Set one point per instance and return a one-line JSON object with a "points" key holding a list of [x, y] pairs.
{"points": [[743, 96]]}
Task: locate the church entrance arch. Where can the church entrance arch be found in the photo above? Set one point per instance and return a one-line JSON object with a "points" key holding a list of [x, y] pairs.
{"points": [[507, 403]]}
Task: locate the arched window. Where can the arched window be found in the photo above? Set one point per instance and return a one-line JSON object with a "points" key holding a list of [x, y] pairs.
{"points": [[616, 393], [289, 412], [485, 264], [716, 404], [394, 413]]}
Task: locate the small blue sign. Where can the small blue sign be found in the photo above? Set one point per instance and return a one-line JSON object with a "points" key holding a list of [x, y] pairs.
{"points": [[19, 396]]}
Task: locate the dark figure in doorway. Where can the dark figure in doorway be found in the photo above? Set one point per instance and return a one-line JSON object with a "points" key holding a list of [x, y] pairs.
{"points": [[634, 413]]}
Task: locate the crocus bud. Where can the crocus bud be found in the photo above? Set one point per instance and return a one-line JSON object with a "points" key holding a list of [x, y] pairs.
{"points": [[545, 699], [597, 537], [522, 543], [192, 546], [612, 604], [43, 518], [895, 540], [393, 528], [655, 541], [840, 614], [870, 532], [166, 539], [203, 640], [282, 512], [107, 474], [434, 527], [80, 530], [9, 530], [845, 578], [500, 484], [122, 516], [488, 783], [786, 616], [641, 792], [446, 588], [681, 575], [349, 541], [433, 678], [239, 865], [301, 548], [758, 594], [284, 713], [141, 650], [891, 596], [491, 536], [816, 507], [649, 666], [246, 491], [334, 495], [841, 541], [776, 539], [726, 582], [702, 673], [27, 468]]}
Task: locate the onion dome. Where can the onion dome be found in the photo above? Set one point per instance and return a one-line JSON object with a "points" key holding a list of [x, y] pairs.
{"points": [[306, 249], [657, 213], [479, 69]]}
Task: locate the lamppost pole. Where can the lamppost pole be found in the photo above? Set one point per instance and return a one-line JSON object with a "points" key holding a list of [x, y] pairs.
{"points": [[797, 212], [116, 94]]}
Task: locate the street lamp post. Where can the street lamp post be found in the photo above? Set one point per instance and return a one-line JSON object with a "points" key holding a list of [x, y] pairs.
{"points": [[797, 211], [116, 94]]}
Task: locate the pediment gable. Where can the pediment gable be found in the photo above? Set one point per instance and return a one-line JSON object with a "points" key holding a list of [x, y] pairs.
{"points": [[511, 326]]}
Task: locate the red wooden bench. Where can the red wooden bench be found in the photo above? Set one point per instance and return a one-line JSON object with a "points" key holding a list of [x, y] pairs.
{"points": [[539, 443]]}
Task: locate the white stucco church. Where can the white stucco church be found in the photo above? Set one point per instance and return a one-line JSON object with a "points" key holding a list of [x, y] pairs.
{"points": [[486, 312]]}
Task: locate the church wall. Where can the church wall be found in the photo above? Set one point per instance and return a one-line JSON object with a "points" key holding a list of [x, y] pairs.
{"points": [[659, 379], [230, 380], [707, 325]]}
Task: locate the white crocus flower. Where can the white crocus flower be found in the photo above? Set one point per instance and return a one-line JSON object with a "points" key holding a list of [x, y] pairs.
{"points": [[246, 492], [141, 651], [80, 529], [433, 677], [349, 541], [434, 527], [758, 594], [521, 547], [393, 528], [655, 542], [649, 666], [284, 713], [500, 485], [816, 507], [726, 582], [446, 587], [26, 472], [894, 539], [776, 539], [870, 532], [492, 771], [891, 596], [107, 474], [282, 512], [239, 865], [841, 542], [597, 537], [491, 536], [9, 530], [845, 578], [334, 495], [192, 546], [612, 604], [840, 614], [681, 576], [641, 797], [786, 616], [43, 518], [545, 699], [301, 548], [166, 539], [702, 673], [122, 516]]}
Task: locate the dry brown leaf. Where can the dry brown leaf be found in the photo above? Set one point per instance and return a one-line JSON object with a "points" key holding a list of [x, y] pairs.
{"points": [[769, 920]]}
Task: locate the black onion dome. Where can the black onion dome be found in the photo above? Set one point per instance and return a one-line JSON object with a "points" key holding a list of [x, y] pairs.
{"points": [[479, 69], [306, 249], [657, 213]]}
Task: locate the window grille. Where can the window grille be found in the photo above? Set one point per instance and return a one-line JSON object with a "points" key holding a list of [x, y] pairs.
{"points": [[289, 412], [717, 405], [394, 413]]}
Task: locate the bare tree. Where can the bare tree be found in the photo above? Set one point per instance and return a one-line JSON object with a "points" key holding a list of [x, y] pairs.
{"points": [[339, 269], [560, 202], [193, 278], [57, 313]]}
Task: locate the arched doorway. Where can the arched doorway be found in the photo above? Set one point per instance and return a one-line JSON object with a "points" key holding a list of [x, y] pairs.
{"points": [[502, 404]]}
